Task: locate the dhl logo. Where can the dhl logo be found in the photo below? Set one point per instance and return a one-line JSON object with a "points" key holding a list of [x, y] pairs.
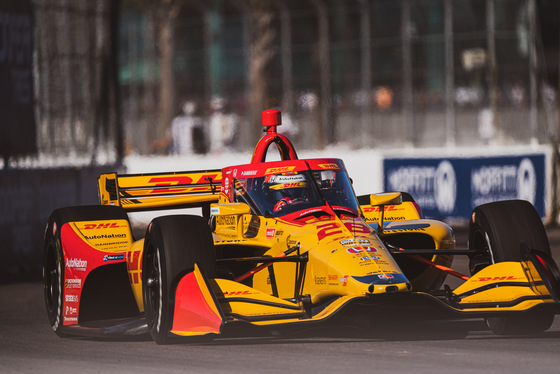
{"points": [[283, 169], [108, 225], [288, 185], [388, 208], [182, 180], [494, 279], [239, 293], [329, 166]]}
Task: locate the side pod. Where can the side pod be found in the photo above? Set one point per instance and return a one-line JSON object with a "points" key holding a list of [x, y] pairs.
{"points": [[196, 309]]}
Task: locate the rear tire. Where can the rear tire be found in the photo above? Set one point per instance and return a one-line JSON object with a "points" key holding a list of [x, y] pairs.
{"points": [[172, 246], [53, 256], [496, 232]]}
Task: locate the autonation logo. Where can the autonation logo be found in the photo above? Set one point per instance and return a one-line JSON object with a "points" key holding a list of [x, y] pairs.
{"points": [[501, 182], [433, 187]]}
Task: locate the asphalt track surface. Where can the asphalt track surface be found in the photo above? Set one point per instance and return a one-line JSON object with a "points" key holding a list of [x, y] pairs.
{"points": [[27, 345]]}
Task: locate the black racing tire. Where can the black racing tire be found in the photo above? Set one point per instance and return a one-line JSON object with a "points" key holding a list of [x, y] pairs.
{"points": [[496, 232], [53, 256], [172, 246]]}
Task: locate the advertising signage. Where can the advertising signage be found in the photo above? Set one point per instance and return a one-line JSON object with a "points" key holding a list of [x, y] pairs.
{"points": [[449, 188]]}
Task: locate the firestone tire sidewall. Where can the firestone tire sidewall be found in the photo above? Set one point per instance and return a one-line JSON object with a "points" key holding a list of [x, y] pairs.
{"points": [[53, 275]]}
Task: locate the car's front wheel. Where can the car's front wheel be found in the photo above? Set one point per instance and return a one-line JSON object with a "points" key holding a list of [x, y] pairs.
{"points": [[496, 232], [172, 246]]}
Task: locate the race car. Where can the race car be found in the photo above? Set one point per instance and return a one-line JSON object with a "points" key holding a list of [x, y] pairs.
{"points": [[284, 244]]}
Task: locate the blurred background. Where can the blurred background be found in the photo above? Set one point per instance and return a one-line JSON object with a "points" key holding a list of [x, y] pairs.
{"points": [[87, 84], [109, 76]]}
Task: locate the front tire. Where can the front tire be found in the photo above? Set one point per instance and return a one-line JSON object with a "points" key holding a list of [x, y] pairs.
{"points": [[497, 231], [172, 246]]}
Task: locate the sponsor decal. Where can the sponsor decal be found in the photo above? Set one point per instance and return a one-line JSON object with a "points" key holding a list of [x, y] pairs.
{"points": [[365, 258], [332, 166], [71, 298], [344, 280], [108, 225], [387, 208], [347, 242], [333, 277], [497, 279], [73, 283], [226, 187], [246, 173], [357, 250], [309, 211], [181, 180], [70, 310], [113, 257], [71, 319], [286, 179], [382, 279], [385, 276], [215, 210], [270, 233], [225, 220], [288, 185], [105, 236], [239, 293], [320, 280], [76, 263], [282, 169]]}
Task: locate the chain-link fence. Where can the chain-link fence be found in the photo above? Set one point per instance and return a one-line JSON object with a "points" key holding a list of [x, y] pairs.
{"points": [[369, 73], [76, 88]]}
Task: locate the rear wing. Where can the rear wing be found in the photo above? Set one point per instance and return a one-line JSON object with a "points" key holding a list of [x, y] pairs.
{"points": [[139, 192]]}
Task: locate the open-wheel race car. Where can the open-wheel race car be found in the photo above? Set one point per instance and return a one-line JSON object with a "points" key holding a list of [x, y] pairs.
{"points": [[284, 243]]}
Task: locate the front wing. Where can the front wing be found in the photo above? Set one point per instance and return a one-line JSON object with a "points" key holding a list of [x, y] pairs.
{"points": [[500, 289], [210, 306]]}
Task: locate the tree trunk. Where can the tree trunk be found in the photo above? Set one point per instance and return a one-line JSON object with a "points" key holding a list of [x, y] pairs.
{"points": [[260, 54]]}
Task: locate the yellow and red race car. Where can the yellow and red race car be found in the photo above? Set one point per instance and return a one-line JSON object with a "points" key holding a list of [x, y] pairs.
{"points": [[284, 243]]}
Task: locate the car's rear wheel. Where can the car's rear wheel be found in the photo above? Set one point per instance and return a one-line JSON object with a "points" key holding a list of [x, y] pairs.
{"points": [[53, 255], [172, 246], [496, 232]]}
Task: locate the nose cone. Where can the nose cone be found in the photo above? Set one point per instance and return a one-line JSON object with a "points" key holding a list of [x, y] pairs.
{"points": [[365, 266]]}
